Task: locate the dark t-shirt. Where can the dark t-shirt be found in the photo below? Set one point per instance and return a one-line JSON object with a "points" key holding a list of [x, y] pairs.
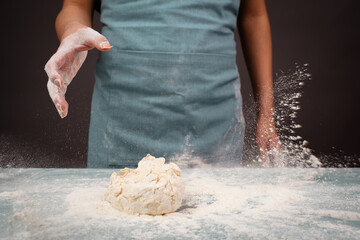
{"points": [[97, 5]]}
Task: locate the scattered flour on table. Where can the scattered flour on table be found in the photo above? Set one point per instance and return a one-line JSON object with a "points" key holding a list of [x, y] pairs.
{"points": [[203, 197], [11, 194], [341, 215], [218, 203]]}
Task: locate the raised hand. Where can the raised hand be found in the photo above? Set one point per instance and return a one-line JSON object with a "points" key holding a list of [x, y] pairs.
{"points": [[66, 62]]}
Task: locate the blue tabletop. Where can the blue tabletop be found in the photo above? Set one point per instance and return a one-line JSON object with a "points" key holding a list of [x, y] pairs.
{"points": [[238, 203]]}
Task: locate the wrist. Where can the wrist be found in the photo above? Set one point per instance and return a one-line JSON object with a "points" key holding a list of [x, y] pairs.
{"points": [[71, 28], [266, 108], [266, 111]]}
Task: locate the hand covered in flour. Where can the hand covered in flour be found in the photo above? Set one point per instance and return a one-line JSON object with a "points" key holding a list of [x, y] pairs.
{"points": [[268, 142], [66, 62]]}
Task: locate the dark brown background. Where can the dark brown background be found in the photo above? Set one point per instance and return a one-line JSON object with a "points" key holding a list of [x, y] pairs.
{"points": [[323, 33]]}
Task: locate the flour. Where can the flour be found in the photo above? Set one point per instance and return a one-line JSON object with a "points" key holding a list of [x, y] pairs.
{"points": [[154, 188], [11, 194], [341, 215], [288, 89], [204, 197], [218, 203]]}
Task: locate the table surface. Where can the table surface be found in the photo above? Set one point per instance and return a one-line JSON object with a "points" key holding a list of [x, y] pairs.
{"points": [[238, 203]]}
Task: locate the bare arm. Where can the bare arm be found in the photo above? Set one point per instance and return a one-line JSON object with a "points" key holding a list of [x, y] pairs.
{"points": [[75, 14], [255, 34], [254, 29]]}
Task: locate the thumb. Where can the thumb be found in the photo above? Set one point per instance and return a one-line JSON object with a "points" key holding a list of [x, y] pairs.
{"points": [[97, 40], [103, 45]]}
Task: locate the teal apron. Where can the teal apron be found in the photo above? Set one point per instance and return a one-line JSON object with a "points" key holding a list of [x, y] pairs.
{"points": [[169, 86]]}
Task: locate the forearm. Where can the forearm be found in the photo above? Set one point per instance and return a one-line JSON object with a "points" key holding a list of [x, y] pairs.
{"points": [[256, 43], [75, 14]]}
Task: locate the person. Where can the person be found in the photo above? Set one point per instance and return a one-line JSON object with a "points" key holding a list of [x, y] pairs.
{"points": [[166, 79]]}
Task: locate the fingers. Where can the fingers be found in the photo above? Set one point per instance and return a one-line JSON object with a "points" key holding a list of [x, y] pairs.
{"points": [[270, 151], [57, 95], [263, 155], [52, 69], [275, 153]]}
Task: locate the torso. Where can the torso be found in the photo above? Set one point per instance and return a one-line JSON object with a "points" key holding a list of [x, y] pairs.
{"points": [[170, 85]]}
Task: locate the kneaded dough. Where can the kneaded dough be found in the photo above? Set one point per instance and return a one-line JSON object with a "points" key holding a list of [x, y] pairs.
{"points": [[154, 188]]}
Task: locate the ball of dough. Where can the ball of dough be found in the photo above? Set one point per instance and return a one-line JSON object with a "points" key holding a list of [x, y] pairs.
{"points": [[154, 188]]}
